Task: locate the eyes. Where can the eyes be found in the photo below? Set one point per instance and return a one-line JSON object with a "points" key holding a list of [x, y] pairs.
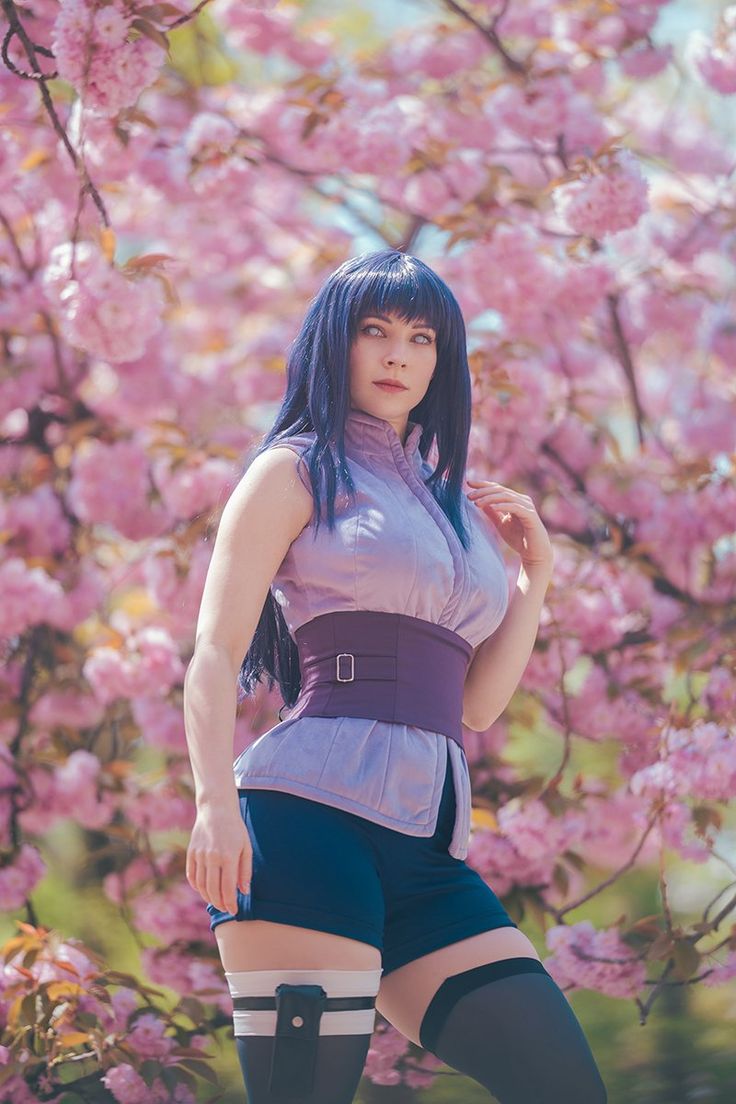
{"points": [[374, 326]]}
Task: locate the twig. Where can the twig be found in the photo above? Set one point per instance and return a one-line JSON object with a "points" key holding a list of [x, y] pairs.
{"points": [[627, 363], [490, 34], [187, 17], [18, 29], [616, 875]]}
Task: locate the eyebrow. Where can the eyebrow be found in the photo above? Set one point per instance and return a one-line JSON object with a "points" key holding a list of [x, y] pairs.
{"points": [[415, 326]]}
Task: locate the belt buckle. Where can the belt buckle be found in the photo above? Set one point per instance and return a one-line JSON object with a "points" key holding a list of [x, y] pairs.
{"points": [[351, 657]]}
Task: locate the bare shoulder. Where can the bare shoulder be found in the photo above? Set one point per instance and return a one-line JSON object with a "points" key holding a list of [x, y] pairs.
{"points": [[266, 511], [274, 491]]}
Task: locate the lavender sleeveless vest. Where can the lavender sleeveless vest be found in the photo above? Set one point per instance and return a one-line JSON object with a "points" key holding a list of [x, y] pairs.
{"points": [[395, 551]]}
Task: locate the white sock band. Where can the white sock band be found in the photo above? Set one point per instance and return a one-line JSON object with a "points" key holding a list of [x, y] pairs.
{"points": [[336, 983]]}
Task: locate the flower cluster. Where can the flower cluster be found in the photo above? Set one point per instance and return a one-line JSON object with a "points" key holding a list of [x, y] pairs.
{"points": [[63, 980], [714, 59], [607, 201], [147, 666], [96, 52], [586, 958], [99, 309]]}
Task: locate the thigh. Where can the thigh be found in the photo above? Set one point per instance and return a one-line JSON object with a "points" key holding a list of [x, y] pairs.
{"points": [[265, 945], [406, 992]]}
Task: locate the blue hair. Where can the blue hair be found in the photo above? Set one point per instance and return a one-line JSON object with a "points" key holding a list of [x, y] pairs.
{"points": [[317, 400]]}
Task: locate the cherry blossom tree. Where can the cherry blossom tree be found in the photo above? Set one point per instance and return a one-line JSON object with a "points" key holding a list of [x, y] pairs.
{"points": [[176, 184]]}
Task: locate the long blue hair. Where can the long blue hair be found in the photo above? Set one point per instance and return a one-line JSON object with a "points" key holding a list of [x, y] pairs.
{"points": [[317, 400]]}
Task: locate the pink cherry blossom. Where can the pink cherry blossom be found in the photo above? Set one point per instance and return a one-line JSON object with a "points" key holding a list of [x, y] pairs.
{"points": [[110, 485], [719, 693], [36, 522], [438, 56], [541, 110], [714, 59], [120, 883], [606, 202], [179, 970], [30, 596], [177, 908], [8, 772], [76, 792], [66, 707], [126, 1085], [585, 958], [123, 1003], [177, 594], [255, 27], [149, 665], [720, 972], [188, 489], [161, 724], [147, 1037], [698, 762], [100, 310], [160, 809], [387, 1046], [93, 52], [20, 876], [646, 61]]}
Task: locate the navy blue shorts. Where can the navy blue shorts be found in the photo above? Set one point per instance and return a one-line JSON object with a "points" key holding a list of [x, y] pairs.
{"points": [[320, 867]]}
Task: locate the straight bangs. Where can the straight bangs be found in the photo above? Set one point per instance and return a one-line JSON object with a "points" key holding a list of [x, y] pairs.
{"points": [[412, 293]]}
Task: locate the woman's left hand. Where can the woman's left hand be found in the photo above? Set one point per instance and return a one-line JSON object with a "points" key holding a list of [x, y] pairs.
{"points": [[516, 519]]}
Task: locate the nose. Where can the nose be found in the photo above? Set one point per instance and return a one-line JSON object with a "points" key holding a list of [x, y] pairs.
{"points": [[395, 357]]}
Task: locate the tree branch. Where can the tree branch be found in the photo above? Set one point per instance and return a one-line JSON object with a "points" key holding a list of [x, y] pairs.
{"points": [[490, 34], [625, 359], [17, 28]]}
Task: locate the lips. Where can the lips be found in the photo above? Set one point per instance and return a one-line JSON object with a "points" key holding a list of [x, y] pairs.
{"points": [[394, 385]]}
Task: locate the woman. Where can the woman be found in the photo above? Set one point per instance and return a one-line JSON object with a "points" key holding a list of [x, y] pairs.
{"points": [[353, 572]]}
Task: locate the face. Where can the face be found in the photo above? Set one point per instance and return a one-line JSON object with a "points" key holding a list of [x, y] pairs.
{"points": [[386, 347]]}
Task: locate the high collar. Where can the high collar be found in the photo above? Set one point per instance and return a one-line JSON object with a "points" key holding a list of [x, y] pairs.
{"points": [[368, 435]]}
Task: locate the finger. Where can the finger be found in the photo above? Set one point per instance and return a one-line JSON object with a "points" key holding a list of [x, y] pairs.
{"points": [[213, 883], [498, 503], [245, 874], [495, 503], [475, 496], [494, 492], [229, 887], [195, 876]]}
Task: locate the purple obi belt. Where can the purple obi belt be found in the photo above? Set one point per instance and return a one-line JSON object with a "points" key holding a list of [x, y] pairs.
{"points": [[384, 666]]}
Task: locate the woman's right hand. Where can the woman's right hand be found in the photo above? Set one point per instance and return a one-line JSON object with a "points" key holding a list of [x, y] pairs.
{"points": [[219, 857]]}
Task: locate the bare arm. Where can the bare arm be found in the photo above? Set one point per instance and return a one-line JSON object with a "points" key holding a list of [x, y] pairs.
{"points": [[500, 661], [266, 511]]}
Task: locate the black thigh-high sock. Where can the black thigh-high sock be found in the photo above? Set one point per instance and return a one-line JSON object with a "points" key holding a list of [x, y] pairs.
{"points": [[509, 1026], [338, 1069], [303, 1035]]}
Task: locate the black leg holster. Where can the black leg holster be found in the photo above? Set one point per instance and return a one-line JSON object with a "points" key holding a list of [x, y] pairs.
{"points": [[298, 1013]]}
